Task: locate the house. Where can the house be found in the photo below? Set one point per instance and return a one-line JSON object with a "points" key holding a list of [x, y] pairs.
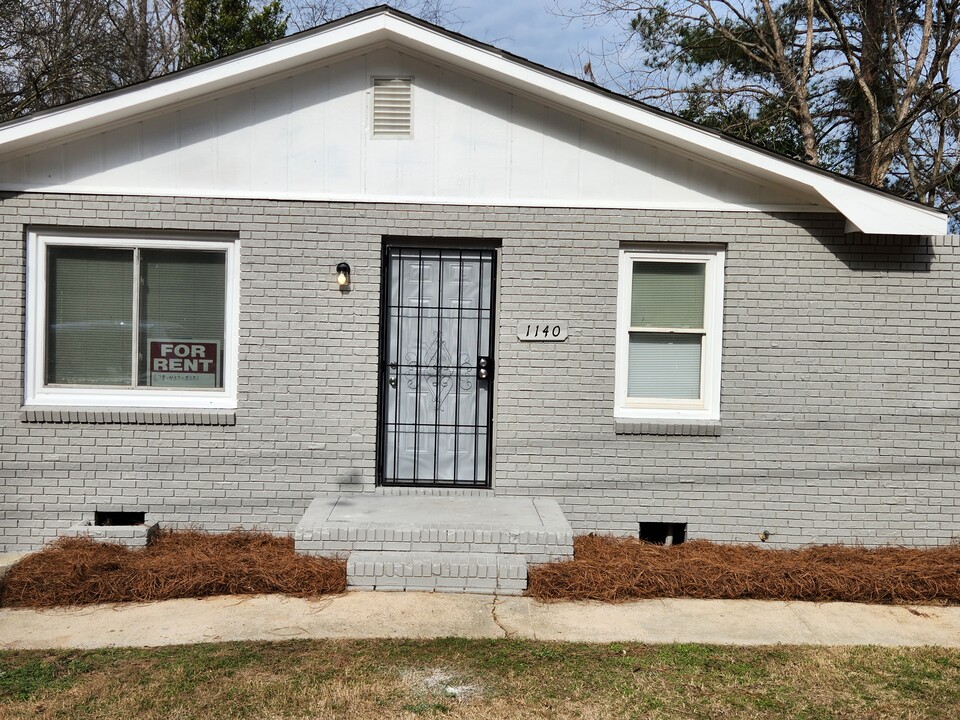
{"points": [[382, 260]]}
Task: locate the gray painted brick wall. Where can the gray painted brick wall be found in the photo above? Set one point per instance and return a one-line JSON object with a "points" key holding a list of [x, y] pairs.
{"points": [[840, 377]]}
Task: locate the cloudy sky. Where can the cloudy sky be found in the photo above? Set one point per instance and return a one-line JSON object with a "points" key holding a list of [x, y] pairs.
{"points": [[530, 28]]}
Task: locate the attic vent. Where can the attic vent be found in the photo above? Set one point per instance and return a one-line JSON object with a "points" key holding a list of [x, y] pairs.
{"points": [[391, 106]]}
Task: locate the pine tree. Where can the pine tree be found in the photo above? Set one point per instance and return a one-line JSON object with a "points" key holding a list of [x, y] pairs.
{"points": [[214, 28]]}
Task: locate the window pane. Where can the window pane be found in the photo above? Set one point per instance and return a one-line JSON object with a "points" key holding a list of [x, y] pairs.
{"points": [[667, 295], [664, 366], [89, 316], [182, 300]]}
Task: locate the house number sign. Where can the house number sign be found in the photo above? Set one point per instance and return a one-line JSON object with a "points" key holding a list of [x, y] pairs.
{"points": [[540, 331]]}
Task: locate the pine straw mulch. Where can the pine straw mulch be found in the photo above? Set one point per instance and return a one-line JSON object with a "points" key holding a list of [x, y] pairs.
{"points": [[618, 569], [177, 564]]}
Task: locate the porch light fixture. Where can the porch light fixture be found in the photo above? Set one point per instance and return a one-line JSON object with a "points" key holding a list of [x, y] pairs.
{"points": [[343, 274]]}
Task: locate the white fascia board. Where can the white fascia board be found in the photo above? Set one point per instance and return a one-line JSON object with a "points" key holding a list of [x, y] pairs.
{"points": [[190, 84], [866, 210], [875, 214]]}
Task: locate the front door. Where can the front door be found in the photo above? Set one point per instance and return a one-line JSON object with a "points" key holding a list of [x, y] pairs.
{"points": [[436, 366]]}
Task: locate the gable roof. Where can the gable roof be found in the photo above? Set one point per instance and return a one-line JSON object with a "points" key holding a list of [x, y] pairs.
{"points": [[866, 209]]}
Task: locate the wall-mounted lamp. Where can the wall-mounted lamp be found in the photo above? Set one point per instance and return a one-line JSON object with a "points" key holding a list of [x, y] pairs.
{"points": [[343, 275]]}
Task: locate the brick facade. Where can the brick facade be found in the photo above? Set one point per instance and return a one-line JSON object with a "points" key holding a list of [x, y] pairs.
{"points": [[840, 378]]}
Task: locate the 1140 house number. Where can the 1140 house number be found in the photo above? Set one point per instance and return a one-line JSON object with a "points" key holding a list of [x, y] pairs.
{"points": [[530, 331]]}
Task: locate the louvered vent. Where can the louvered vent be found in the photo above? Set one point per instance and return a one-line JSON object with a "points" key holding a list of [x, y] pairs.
{"points": [[391, 106]]}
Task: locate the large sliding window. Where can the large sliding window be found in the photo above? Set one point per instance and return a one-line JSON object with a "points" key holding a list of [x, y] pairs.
{"points": [[126, 322], [668, 339]]}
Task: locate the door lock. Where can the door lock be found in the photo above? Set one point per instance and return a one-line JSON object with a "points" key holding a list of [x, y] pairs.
{"points": [[484, 368]]}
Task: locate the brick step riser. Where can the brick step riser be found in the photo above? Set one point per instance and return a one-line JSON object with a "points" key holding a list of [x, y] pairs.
{"points": [[437, 572], [440, 585]]}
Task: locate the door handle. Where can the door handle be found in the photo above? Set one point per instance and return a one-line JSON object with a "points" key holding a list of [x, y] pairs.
{"points": [[484, 368], [393, 381]]}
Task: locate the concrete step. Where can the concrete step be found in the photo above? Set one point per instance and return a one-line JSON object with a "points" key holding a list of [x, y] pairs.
{"points": [[8, 560], [485, 573], [534, 528]]}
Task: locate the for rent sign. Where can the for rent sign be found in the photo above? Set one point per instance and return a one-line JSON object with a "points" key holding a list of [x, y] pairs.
{"points": [[184, 363]]}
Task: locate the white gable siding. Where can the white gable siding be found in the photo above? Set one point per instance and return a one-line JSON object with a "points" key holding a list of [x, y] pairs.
{"points": [[308, 136]]}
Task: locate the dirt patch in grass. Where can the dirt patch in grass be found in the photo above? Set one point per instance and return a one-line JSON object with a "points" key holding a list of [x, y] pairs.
{"points": [[619, 569], [177, 564]]}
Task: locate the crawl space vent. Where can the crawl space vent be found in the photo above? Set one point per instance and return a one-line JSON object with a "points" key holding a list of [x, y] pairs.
{"points": [[392, 106], [107, 518], [663, 533]]}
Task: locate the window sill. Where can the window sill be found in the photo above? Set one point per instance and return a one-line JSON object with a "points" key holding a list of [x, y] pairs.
{"points": [[126, 416], [693, 428]]}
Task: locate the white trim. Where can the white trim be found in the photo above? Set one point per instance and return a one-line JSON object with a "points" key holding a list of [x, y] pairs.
{"points": [[246, 67], [888, 214], [473, 200], [866, 209], [708, 406], [37, 394]]}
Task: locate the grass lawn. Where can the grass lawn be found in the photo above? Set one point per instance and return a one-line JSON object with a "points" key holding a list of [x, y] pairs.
{"points": [[457, 678]]}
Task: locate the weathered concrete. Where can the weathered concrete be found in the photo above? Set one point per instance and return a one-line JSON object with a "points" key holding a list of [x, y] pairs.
{"points": [[533, 527], [733, 622], [430, 615], [443, 542], [263, 617]]}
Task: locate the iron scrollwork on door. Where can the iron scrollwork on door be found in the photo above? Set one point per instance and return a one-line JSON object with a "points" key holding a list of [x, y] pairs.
{"points": [[448, 374]]}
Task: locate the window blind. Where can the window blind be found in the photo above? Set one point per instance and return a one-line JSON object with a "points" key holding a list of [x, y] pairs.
{"points": [[664, 365], [89, 316], [667, 295], [182, 297]]}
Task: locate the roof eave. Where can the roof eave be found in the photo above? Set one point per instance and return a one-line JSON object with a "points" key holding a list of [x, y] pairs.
{"points": [[866, 209], [250, 66]]}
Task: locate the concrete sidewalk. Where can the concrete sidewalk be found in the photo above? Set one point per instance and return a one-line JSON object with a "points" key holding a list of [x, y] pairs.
{"points": [[428, 615]]}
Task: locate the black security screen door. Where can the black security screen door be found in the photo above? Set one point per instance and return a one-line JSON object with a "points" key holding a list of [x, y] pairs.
{"points": [[436, 367]]}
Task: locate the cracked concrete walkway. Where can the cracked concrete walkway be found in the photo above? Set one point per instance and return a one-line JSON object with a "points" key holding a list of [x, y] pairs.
{"points": [[432, 615]]}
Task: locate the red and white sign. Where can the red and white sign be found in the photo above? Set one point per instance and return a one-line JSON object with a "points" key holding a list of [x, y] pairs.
{"points": [[184, 363]]}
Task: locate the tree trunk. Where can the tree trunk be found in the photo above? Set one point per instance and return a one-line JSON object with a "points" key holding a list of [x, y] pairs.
{"points": [[866, 121]]}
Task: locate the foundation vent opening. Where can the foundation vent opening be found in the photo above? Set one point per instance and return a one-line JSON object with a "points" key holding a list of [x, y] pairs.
{"points": [[103, 518], [663, 533], [392, 106]]}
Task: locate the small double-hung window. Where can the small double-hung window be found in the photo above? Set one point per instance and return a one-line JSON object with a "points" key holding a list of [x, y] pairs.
{"points": [[670, 313], [147, 322]]}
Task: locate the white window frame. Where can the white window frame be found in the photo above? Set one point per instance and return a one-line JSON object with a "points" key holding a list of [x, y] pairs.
{"points": [[37, 394], [707, 407]]}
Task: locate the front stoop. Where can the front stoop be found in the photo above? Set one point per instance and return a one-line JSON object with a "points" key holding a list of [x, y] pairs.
{"points": [[439, 543]]}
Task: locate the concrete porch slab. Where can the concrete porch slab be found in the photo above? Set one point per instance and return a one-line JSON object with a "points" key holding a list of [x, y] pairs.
{"points": [[339, 524]]}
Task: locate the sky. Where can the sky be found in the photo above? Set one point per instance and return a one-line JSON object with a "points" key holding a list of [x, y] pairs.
{"points": [[532, 29]]}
